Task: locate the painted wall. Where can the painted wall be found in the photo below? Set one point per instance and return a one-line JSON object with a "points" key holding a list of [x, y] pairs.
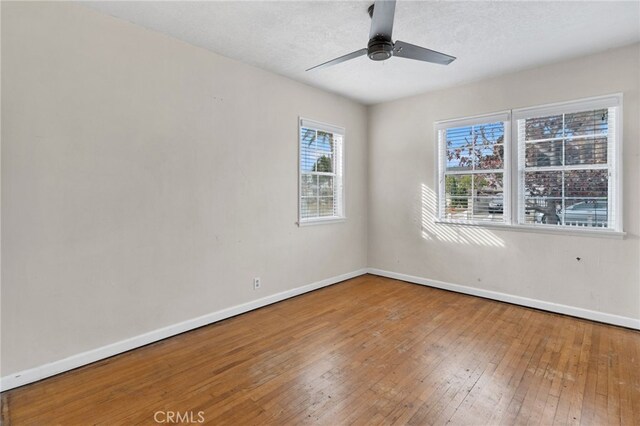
{"points": [[404, 239], [146, 182]]}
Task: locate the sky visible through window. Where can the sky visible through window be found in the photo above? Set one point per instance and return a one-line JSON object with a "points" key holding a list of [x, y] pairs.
{"points": [[466, 145], [314, 147]]}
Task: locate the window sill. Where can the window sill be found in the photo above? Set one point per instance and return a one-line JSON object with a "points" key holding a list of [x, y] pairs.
{"points": [[539, 229], [324, 221]]}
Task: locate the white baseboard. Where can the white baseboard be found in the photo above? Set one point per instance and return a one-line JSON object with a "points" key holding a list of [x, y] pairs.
{"points": [[47, 370], [516, 300]]}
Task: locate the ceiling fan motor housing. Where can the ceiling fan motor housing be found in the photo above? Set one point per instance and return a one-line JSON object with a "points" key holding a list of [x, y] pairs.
{"points": [[379, 49]]}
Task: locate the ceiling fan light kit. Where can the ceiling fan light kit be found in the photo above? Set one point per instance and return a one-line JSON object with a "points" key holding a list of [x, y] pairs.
{"points": [[381, 46]]}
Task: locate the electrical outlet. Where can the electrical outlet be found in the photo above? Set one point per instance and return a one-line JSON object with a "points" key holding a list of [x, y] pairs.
{"points": [[256, 283]]}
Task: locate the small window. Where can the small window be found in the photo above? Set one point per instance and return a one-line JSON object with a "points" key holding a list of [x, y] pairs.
{"points": [[567, 165], [321, 195], [472, 169]]}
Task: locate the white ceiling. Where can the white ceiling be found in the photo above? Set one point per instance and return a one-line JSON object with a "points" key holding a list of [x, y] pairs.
{"points": [[489, 38]]}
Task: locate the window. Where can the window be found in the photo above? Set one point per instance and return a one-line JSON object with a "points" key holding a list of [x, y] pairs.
{"points": [[321, 170], [567, 165], [563, 173], [472, 181]]}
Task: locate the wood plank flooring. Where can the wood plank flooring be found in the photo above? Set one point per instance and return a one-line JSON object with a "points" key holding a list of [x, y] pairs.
{"points": [[370, 350]]}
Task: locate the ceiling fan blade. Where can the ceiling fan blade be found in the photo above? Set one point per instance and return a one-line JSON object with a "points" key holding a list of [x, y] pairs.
{"points": [[382, 19], [344, 58], [411, 51]]}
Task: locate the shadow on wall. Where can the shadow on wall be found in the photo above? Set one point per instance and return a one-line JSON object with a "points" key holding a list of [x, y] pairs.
{"points": [[459, 234]]}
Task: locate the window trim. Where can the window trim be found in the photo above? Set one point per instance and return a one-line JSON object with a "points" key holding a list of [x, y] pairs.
{"points": [[440, 126], [330, 128], [568, 107], [511, 170], [538, 229]]}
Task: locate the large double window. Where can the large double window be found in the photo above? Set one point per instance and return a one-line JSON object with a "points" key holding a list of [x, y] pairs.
{"points": [[553, 167], [321, 170]]}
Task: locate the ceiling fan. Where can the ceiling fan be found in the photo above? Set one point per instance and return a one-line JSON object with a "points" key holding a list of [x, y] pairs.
{"points": [[381, 47]]}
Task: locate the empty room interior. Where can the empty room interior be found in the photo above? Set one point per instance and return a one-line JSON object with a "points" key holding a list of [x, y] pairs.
{"points": [[320, 212]]}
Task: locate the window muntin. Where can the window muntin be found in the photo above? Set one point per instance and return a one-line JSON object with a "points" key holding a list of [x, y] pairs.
{"points": [[321, 170], [566, 161], [472, 171]]}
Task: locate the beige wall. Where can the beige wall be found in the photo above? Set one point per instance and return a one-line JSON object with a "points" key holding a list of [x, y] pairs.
{"points": [[403, 238], [146, 182]]}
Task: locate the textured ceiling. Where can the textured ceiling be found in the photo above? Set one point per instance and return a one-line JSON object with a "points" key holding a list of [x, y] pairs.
{"points": [[489, 38]]}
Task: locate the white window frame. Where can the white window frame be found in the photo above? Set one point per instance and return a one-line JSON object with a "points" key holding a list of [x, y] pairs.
{"points": [[339, 166], [513, 173], [614, 162], [441, 149]]}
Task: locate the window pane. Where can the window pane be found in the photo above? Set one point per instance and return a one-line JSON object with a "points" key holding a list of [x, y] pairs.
{"points": [[458, 185], [325, 185], [586, 212], [543, 197], [543, 184], [457, 196], [307, 149], [459, 137], [309, 185], [586, 184], [489, 157], [541, 154], [488, 200], [323, 163], [486, 135], [543, 127], [326, 206], [479, 146], [460, 159], [316, 151], [308, 207], [586, 123], [325, 143], [585, 197], [586, 151], [475, 197], [543, 210]]}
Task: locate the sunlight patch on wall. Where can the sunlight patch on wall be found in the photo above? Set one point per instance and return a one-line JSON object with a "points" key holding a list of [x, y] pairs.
{"points": [[459, 234]]}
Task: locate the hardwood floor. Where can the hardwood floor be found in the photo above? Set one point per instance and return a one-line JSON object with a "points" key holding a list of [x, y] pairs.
{"points": [[370, 350]]}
